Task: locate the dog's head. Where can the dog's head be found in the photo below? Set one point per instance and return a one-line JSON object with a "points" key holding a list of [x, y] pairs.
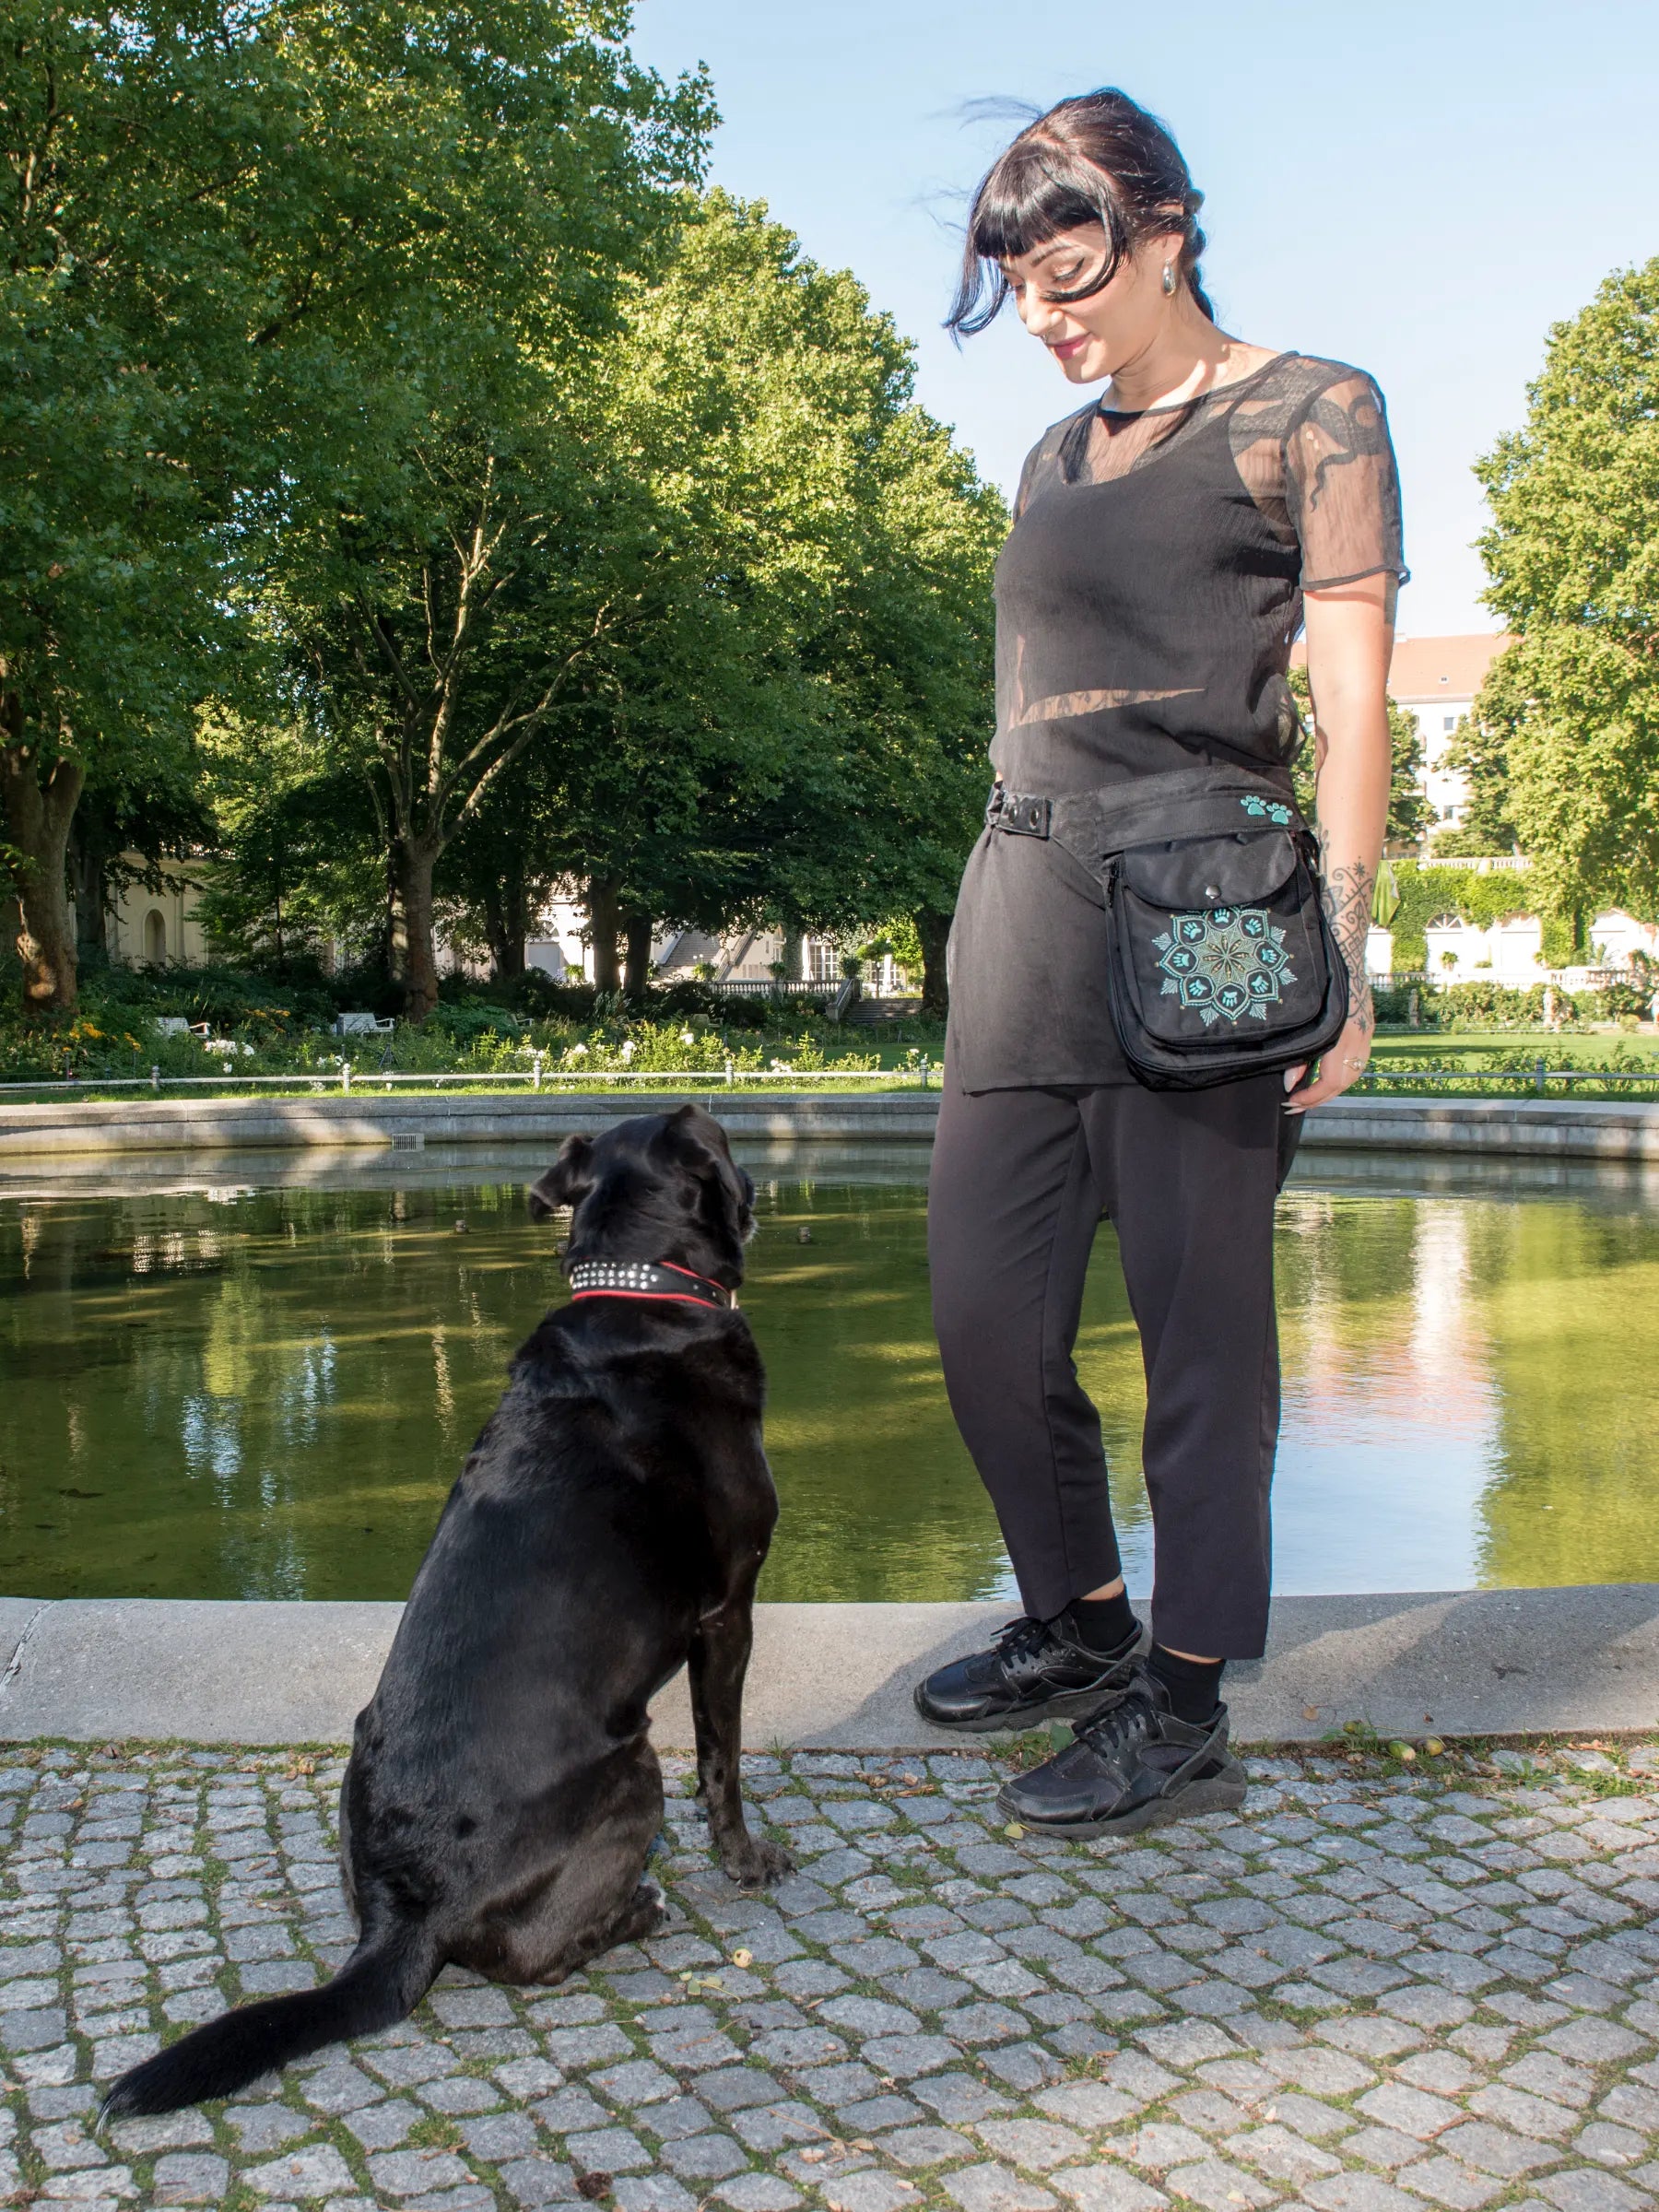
{"points": [[662, 1186]]}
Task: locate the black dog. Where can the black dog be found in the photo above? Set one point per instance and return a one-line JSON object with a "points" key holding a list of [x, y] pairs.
{"points": [[502, 1793]]}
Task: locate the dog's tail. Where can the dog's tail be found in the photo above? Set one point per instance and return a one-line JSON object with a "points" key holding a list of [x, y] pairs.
{"points": [[380, 1985]]}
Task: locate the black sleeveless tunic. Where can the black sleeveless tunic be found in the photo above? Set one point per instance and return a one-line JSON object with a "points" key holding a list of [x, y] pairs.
{"points": [[1147, 600]]}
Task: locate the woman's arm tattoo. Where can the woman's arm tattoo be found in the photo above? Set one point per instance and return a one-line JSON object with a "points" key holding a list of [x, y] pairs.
{"points": [[1348, 895]]}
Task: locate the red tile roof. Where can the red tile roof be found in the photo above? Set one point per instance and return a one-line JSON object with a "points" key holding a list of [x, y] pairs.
{"points": [[1429, 668], [1424, 669]]}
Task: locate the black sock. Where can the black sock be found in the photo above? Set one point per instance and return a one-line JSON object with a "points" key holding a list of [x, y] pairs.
{"points": [[1104, 1623], [1195, 1685]]}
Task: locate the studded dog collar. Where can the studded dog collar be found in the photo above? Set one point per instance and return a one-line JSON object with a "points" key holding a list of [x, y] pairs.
{"points": [[646, 1278]]}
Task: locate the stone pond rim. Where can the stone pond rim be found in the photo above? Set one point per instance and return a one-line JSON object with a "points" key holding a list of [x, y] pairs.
{"points": [[1609, 1131], [1572, 1661]]}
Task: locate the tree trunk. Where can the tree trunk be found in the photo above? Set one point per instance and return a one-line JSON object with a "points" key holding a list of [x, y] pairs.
{"points": [[38, 799], [505, 928], [791, 954], [88, 875], [413, 960], [391, 929], [603, 920], [636, 975], [933, 929]]}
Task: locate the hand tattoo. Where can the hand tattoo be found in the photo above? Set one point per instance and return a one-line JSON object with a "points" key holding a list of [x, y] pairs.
{"points": [[1347, 898]]}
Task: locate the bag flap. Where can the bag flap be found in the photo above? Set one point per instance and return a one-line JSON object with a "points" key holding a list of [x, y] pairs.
{"points": [[1210, 871]]}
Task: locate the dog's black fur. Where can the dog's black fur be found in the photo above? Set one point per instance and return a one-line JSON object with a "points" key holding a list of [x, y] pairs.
{"points": [[502, 1793]]}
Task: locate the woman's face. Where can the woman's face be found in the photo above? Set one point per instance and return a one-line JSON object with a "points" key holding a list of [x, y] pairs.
{"points": [[1093, 338]]}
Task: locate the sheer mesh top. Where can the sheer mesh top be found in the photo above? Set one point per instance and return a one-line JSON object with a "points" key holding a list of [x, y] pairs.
{"points": [[1152, 584], [1147, 599]]}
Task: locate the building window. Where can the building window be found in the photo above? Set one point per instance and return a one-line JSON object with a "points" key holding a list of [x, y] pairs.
{"points": [[155, 936], [1448, 723]]}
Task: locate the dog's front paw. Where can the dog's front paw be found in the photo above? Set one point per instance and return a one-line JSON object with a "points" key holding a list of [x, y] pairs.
{"points": [[651, 1913], [755, 1863]]}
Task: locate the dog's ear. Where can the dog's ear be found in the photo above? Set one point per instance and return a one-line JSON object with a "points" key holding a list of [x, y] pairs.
{"points": [[698, 1136], [567, 1182]]}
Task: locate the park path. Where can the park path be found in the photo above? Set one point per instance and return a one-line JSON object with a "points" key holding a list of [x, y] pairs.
{"points": [[1374, 1991]]}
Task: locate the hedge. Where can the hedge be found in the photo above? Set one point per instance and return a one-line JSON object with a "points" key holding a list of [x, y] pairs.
{"points": [[1490, 1006]]}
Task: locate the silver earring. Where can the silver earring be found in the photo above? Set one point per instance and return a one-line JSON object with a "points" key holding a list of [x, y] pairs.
{"points": [[1168, 281]]}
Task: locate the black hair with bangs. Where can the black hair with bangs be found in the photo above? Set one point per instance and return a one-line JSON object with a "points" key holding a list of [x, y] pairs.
{"points": [[1097, 159]]}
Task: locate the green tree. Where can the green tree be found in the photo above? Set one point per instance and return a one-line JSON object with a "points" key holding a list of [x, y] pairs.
{"points": [[1479, 747], [920, 692], [501, 870], [122, 323], [744, 398], [779, 732], [297, 865], [1572, 705], [278, 281], [436, 619]]}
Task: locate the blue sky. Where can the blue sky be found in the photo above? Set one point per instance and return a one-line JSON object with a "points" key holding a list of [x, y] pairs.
{"points": [[1419, 189]]}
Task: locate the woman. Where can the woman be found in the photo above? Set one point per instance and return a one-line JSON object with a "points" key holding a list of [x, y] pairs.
{"points": [[1168, 542]]}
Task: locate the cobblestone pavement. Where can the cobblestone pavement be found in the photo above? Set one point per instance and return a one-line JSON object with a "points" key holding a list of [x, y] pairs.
{"points": [[1378, 1990]]}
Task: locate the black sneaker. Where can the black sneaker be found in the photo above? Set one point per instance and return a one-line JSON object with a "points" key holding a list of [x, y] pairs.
{"points": [[1133, 1766], [1036, 1671]]}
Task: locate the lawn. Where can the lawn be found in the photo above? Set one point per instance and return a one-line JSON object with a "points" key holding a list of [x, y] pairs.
{"points": [[1506, 1064]]}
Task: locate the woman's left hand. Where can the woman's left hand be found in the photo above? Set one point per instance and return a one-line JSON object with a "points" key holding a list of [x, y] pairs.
{"points": [[1342, 1065]]}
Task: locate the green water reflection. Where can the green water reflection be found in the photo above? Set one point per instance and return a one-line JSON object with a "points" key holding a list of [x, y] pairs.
{"points": [[267, 1391]]}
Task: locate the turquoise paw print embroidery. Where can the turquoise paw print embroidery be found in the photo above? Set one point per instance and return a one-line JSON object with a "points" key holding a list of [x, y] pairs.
{"points": [[1228, 963], [1275, 810]]}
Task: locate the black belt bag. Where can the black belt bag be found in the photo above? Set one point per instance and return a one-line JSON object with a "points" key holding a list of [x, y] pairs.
{"points": [[1220, 961]]}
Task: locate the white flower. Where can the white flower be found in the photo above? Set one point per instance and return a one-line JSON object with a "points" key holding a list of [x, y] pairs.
{"points": [[627, 1049], [687, 1037], [577, 1052]]}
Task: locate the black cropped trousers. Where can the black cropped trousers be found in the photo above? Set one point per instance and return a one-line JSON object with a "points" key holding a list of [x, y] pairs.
{"points": [[1020, 1181]]}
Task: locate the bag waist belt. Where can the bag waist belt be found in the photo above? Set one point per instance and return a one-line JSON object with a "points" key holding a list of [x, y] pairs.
{"points": [[1094, 825]]}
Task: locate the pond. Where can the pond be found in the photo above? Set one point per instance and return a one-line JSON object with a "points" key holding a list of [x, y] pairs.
{"points": [[257, 1377]]}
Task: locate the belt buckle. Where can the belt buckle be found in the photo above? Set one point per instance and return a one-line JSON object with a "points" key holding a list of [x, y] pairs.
{"points": [[1017, 812]]}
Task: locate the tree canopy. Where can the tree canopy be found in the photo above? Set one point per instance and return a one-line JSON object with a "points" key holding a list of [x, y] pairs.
{"points": [[1567, 748], [414, 491], [250, 260], [707, 635], [784, 730]]}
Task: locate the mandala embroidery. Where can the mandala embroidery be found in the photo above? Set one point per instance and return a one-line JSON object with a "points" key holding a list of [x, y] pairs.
{"points": [[1230, 962]]}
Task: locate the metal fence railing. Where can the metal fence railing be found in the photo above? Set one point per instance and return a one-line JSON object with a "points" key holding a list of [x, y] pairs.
{"points": [[920, 1074], [754, 986], [539, 1076], [1538, 1076], [1500, 863]]}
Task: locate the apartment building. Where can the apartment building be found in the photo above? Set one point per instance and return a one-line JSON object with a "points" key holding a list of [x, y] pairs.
{"points": [[1435, 679], [559, 946]]}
